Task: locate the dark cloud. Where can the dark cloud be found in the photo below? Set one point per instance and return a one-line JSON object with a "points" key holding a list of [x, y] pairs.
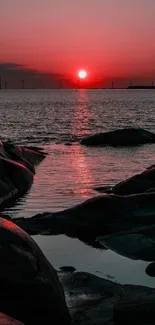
{"points": [[13, 74]]}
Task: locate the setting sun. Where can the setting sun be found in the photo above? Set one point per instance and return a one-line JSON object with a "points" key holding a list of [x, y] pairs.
{"points": [[82, 74]]}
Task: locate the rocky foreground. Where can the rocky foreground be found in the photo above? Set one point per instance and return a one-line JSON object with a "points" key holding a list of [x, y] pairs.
{"points": [[33, 293], [95, 301], [30, 289]]}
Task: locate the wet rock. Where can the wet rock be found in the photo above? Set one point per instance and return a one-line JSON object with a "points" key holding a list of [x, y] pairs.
{"points": [[138, 244], [67, 269], [104, 189], [136, 310], [30, 289], [139, 183], [16, 170], [6, 320], [120, 137], [123, 224], [150, 270], [68, 143], [95, 301], [26, 155], [98, 216]]}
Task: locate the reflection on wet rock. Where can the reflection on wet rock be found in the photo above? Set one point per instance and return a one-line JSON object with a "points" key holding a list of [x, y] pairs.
{"points": [[132, 245], [121, 137]]}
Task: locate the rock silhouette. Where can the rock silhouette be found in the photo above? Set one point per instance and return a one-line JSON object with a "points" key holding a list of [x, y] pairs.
{"points": [[120, 137]]}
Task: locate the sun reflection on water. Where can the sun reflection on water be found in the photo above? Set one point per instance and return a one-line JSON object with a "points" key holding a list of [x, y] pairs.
{"points": [[82, 115], [78, 156]]}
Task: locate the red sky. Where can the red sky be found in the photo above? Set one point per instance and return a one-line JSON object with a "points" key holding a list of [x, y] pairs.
{"points": [[109, 38]]}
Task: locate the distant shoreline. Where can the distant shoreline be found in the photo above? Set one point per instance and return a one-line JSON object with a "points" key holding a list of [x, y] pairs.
{"points": [[78, 89], [141, 87]]}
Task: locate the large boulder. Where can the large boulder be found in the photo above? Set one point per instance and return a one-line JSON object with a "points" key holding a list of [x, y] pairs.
{"points": [[16, 170], [138, 183], [30, 290], [101, 215], [122, 224], [121, 137]]}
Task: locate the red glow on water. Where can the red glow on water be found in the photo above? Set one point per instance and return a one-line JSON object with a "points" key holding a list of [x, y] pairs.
{"points": [[79, 159]]}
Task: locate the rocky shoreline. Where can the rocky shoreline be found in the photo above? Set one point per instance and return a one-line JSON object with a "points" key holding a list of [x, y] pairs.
{"points": [[122, 219], [95, 301]]}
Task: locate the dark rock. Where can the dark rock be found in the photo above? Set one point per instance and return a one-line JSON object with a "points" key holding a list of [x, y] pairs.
{"points": [[136, 244], [67, 268], [68, 143], [6, 320], [150, 270], [100, 215], [30, 289], [23, 154], [16, 170], [121, 137], [139, 183], [123, 224], [136, 310], [96, 301], [104, 189]]}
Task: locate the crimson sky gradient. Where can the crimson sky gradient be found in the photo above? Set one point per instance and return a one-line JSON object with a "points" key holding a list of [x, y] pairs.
{"points": [[109, 38]]}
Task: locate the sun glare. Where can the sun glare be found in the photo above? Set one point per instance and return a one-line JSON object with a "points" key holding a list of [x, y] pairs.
{"points": [[82, 74]]}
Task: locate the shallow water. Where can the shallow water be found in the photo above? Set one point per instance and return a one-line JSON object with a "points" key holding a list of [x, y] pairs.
{"points": [[69, 173]]}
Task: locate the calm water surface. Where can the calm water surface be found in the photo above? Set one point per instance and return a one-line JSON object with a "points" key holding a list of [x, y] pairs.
{"points": [[66, 177]]}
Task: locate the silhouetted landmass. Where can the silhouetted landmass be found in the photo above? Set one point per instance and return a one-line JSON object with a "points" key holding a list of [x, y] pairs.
{"points": [[16, 76], [141, 87]]}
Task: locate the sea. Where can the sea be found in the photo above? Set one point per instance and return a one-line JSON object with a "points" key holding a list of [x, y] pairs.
{"points": [[54, 119]]}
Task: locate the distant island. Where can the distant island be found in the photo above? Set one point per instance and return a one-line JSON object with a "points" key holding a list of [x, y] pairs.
{"points": [[141, 87]]}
